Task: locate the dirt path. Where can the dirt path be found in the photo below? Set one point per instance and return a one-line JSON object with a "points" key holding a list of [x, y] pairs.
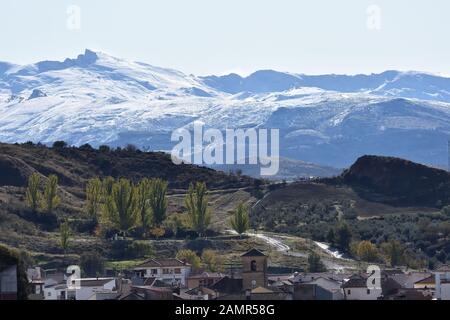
{"points": [[276, 241]]}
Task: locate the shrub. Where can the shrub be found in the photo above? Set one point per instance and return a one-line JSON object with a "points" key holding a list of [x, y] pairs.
{"points": [[92, 264], [59, 144]]}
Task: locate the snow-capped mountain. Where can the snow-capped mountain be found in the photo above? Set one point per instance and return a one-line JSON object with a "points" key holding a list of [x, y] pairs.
{"points": [[330, 120], [415, 85]]}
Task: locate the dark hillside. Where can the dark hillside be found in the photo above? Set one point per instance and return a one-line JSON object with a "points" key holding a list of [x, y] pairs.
{"points": [[398, 182], [74, 166]]}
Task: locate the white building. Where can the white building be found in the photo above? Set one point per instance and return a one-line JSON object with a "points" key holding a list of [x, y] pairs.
{"points": [[86, 288], [171, 271], [82, 289], [356, 288], [56, 291], [442, 286]]}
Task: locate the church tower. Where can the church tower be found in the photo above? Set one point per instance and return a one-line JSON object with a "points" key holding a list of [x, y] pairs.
{"points": [[254, 269]]}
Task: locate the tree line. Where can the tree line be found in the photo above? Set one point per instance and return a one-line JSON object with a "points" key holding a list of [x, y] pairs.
{"points": [[121, 205]]}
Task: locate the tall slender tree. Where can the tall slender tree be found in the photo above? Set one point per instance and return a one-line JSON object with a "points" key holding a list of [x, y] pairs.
{"points": [[197, 204], [344, 237], [121, 206], [240, 220], [158, 201], [315, 264], [33, 194], [143, 192], [94, 193], [65, 234], [50, 199]]}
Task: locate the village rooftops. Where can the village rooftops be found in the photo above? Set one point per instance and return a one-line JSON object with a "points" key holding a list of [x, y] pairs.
{"points": [[94, 282], [162, 263], [261, 290], [308, 277], [153, 282], [408, 280], [429, 280], [57, 286], [228, 285], [356, 281], [207, 275], [140, 289], [253, 253]]}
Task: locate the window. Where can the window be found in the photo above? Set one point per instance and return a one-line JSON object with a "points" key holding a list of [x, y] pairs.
{"points": [[368, 291], [177, 270], [166, 271], [253, 266], [348, 291], [154, 271], [49, 294]]}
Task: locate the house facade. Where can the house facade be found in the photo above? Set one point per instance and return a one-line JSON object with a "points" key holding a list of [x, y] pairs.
{"points": [[56, 291], [88, 287], [442, 286], [356, 289], [205, 279], [171, 271]]}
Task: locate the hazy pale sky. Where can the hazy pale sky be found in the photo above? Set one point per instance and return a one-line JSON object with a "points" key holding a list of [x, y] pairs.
{"points": [[222, 36]]}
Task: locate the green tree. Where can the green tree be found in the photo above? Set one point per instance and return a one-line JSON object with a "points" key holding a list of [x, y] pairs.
{"points": [[121, 206], [92, 264], [50, 199], [367, 251], [65, 234], [143, 192], [212, 260], [394, 252], [33, 194], [315, 264], [197, 204], [158, 201], [190, 257], [331, 237], [157, 232], [240, 221], [94, 194], [343, 237]]}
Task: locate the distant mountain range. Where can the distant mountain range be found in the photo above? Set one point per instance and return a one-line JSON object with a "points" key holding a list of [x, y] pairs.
{"points": [[328, 120], [415, 85]]}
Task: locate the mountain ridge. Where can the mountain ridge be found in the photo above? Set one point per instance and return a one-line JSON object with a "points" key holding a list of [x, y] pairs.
{"points": [[99, 99]]}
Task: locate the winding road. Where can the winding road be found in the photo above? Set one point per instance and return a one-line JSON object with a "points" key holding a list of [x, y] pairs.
{"points": [[276, 242]]}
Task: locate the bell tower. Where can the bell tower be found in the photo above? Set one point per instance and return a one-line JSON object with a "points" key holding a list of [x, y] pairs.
{"points": [[254, 269]]}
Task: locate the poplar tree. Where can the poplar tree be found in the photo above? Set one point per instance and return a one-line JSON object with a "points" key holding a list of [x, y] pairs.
{"points": [[143, 192], [240, 220], [33, 194], [197, 204], [121, 206], [158, 200], [50, 199], [94, 194]]}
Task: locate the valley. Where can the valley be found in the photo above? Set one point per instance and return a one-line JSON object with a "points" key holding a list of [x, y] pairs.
{"points": [[289, 220]]}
